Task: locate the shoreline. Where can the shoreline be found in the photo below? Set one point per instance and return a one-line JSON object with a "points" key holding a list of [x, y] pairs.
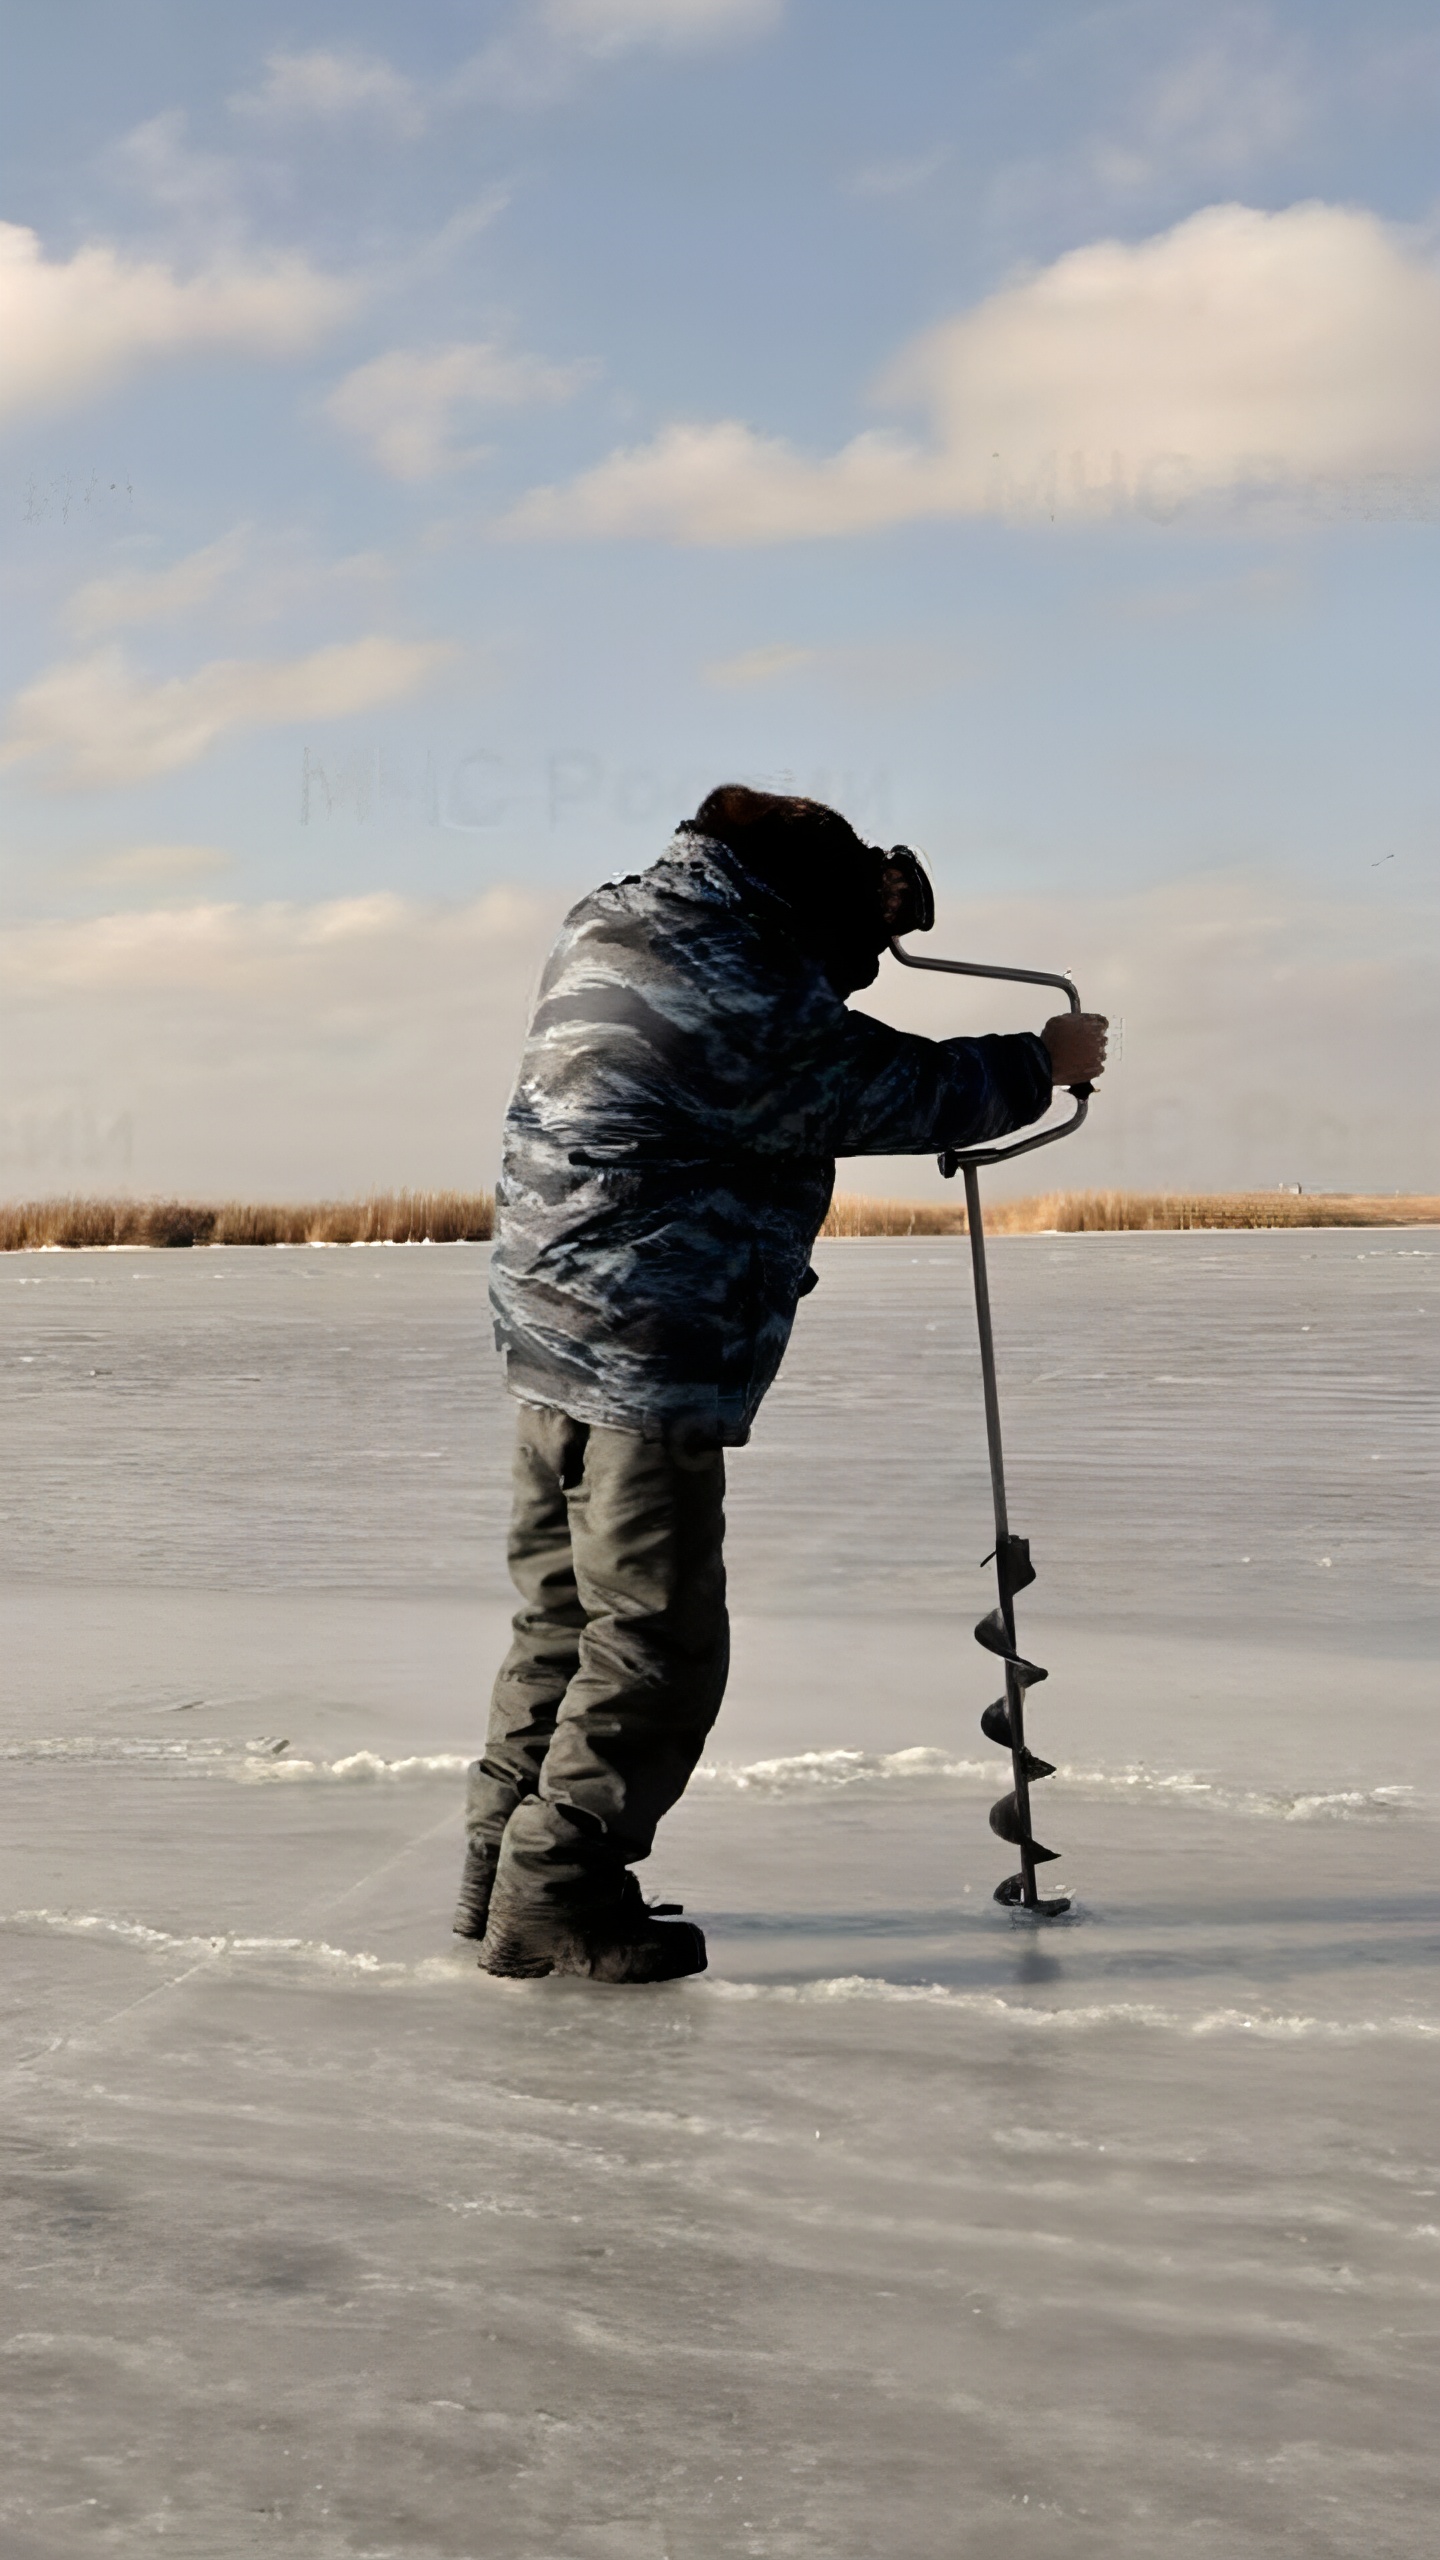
{"points": [[433, 1218], [1136, 1212]]}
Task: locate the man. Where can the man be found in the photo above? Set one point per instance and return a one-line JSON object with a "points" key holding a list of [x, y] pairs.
{"points": [[691, 1073]]}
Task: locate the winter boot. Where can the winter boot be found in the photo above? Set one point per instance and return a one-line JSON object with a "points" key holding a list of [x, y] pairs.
{"points": [[624, 1940], [477, 1877]]}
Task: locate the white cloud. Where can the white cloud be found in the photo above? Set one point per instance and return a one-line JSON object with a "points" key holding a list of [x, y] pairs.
{"points": [[99, 720], [1240, 353], [1270, 1036], [323, 87], [725, 484], [869, 672], [363, 1043], [145, 865], [1271, 1031], [542, 54], [456, 232], [1188, 104], [254, 575], [200, 187], [762, 665], [899, 177], [1240, 93], [72, 327], [154, 595], [532, 61], [233, 949], [408, 406], [614, 26]]}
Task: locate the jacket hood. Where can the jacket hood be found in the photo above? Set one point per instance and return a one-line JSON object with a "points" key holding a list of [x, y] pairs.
{"points": [[823, 896]]}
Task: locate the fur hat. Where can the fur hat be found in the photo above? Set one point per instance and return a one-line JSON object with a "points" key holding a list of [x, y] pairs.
{"points": [[833, 883]]}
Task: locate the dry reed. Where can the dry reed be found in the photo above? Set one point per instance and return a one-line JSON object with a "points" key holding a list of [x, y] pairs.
{"points": [[1096, 1212], [389, 1217], [461, 1217]]}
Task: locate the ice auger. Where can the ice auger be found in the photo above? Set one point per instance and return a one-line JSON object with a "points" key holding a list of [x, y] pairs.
{"points": [[1004, 1722]]}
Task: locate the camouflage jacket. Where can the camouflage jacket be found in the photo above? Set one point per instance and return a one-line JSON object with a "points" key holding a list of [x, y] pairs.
{"points": [[689, 1077]]}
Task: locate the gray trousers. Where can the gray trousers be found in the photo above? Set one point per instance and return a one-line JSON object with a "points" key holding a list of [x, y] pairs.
{"points": [[619, 1658]]}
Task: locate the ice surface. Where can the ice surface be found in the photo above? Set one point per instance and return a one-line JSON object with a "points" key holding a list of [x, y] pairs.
{"points": [[911, 2230]]}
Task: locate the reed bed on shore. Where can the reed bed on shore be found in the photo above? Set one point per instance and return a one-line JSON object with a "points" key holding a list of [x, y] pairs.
{"points": [[1112, 1212], [468, 1217], [389, 1217]]}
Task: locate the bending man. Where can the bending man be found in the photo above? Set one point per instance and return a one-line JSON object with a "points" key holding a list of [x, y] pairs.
{"points": [[690, 1076]]}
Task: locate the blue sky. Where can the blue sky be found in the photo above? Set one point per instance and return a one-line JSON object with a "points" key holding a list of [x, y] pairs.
{"points": [[441, 443]]}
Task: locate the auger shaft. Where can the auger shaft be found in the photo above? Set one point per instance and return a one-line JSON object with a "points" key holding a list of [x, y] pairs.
{"points": [[1013, 1570], [1014, 1690], [1004, 1723]]}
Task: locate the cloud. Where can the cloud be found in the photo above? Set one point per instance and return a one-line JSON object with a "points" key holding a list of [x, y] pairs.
{"points": [[1271, 1029], [456, 232], [258, 575], [1187, 104], [1238, 96], [233, 949], [200, 187], [725, 484], [360, 1043], [321, 87], [96, 721], [533, 61], [407, 406], [75, 326], [898, 177], [677, 26], [1270, 1036], [154, 595], [143, 865], [759, 666], [1240, 355], [539, 58], [868, 671]]}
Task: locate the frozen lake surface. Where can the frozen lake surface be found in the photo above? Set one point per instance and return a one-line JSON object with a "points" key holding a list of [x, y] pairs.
{"points": [[911, 2232]]}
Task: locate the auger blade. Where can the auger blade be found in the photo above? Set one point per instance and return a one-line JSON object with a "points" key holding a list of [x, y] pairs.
{"points": [[1012, 1892], [994, 1635], [995, 1725], [1005, 1823], [1016, 1570]]}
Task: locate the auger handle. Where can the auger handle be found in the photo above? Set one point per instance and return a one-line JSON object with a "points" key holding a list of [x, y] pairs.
{"points": [[954, 1157]]}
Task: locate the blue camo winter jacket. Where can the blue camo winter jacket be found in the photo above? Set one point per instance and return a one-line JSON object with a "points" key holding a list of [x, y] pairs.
{"points": [[688, 1080]]}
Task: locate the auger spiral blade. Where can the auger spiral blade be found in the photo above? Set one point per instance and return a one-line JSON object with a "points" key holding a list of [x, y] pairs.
{"points": [[995, 1725], [1005, 1823], [1012, 1891], [995, 1636]]}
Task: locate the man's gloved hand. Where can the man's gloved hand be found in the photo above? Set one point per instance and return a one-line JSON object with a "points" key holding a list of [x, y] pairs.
{"points": [[1076, 1042]]}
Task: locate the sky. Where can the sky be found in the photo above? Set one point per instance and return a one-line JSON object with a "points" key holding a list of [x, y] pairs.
{"points": [[439, 445]]}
